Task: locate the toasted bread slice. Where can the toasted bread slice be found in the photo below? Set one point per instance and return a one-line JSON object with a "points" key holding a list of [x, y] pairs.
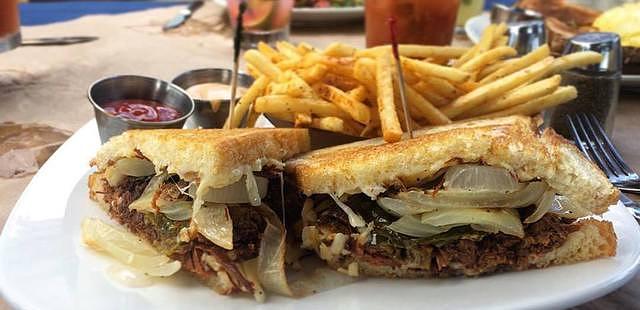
{"points": [[511, 142], [211, 156]]}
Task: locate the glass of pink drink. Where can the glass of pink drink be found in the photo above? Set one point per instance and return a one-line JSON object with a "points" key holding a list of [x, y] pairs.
{"points": [[264, 20], [9, 25]]}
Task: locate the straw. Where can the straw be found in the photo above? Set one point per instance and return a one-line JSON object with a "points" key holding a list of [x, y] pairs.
{"points": [[394, 46], [236, 55]]}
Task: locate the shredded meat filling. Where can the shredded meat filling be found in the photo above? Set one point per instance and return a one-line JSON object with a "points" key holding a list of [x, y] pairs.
{"points": [[162, 232], [463, 252]]}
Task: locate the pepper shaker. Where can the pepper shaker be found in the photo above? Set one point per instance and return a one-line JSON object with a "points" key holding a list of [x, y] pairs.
{"points": [[598, 85]]}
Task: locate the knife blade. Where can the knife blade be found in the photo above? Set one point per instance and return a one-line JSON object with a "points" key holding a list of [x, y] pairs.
{"points": [[182, 16], [57, 41]]}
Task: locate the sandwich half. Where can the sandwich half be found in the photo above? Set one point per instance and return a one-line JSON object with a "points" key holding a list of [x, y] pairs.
{"points": [[465, 199], [201, 197]]}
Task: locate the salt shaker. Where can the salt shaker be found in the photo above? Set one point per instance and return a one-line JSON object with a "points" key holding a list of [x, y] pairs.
{"points": [[598, 85], [526, 36]]}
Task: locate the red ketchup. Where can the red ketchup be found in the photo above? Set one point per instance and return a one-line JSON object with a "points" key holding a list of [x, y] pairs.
{"points": [[142, 110]]}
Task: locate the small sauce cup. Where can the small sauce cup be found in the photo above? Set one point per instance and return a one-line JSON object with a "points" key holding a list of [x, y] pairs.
{"points": [[210, 113], [123, 87]]}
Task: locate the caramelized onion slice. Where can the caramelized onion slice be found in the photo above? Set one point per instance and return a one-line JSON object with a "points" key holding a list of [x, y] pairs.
{"points": [[399, 207], [179, 210], [411, 225], [146, 201], [489, 220], [127, 248], [480, 178], [564, 207], [475, 199], [542, 206], [354, 219], [240, 191], [271, 258], [214, 222], [135, 167]]}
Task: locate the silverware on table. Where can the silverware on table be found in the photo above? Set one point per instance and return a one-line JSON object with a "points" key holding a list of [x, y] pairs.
{"points": [[182, 16], [123, 87], [57, 41], [596, 145], [592, 140]]}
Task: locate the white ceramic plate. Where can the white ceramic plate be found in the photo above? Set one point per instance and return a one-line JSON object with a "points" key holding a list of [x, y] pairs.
{"points": [[320, 16], [475, 25], [44, 266]]}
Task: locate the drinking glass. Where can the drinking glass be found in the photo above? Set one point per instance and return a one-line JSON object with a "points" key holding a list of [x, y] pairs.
{"points": [[417, 21], [264, 20], [9, 25]]}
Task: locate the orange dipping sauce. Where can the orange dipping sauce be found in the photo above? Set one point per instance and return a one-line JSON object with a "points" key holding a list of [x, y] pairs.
{"points": [[429, 22], [9, 18]]}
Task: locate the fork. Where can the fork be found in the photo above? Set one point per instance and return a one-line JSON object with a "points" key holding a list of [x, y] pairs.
{"points": [[592, 140]]}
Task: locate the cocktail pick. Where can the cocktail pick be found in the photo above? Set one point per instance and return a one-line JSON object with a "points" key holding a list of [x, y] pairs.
{"points": [[237, 39], [394, 46]]}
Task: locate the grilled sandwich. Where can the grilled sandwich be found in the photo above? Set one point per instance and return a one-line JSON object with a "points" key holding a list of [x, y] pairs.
{"points": [[465, 199]]}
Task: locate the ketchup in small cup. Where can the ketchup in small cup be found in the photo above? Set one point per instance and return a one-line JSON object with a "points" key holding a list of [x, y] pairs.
{"points": [[142, 110]]}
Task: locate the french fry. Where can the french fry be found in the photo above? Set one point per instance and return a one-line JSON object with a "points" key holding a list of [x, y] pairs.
{"points": [[329, 123], [492, 90], [313, 74], [494, 67], [253, 72], [297, 87], [516, 97], [337, 49], [391, 130], [443, 87], [561, 95], [518, 64], [269, 52], [342, 82], [465, 57], [500, 41], [426, 109], [415, 51], [288, 50], [428, 92], [575, 60], [288, 64], [240, 109], [302, 120], [359, 93], [263, 64], [357, 110], [303, 48], [352, 127], [428, 69], [285, 104], [499, 31], [482, 59], [252, 118], [285, 116], [487, 38], [364, 71]]}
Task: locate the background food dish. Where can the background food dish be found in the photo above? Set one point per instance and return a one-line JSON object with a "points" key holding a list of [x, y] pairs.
{"points": [[45, 227]]}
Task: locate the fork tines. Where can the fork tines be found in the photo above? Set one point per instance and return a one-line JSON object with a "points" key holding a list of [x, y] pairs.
{"points": [[592, 140]]}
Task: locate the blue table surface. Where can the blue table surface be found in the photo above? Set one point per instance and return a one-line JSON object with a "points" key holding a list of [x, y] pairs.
{"points": [[39, 13]]}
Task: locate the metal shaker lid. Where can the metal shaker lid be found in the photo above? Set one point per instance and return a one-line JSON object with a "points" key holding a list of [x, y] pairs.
{"points": [[527, 35], [501, 13], [605, 43]]}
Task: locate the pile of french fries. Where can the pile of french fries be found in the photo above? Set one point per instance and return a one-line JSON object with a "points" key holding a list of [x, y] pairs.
{"points": [[356, 92]]}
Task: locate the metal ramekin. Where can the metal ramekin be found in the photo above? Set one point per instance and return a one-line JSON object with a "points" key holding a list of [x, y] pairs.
{"points": [[204, 115], [122, 87]]}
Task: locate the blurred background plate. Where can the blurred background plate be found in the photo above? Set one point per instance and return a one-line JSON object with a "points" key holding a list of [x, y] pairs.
{"points": [[320, 16]]}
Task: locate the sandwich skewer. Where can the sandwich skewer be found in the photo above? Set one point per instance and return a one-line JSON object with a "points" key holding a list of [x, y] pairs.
{"points": [[401, 83], [236, 55]]}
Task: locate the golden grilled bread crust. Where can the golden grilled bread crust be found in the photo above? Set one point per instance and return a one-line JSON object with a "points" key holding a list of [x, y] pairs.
{"points": [[510, 142], [213, 156], [593, 239]]}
